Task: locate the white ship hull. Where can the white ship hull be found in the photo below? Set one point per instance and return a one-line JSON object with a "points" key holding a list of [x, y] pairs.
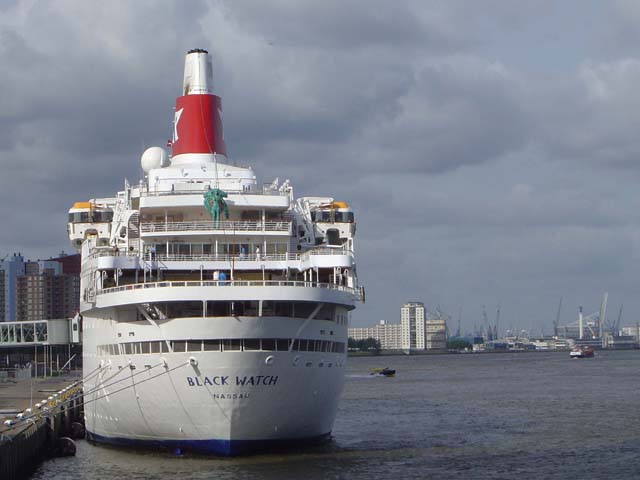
{"points": [[224, 402], [215, 309]]}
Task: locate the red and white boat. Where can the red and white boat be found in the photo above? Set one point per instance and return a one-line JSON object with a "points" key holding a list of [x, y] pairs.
{"points": [[582, 352]]}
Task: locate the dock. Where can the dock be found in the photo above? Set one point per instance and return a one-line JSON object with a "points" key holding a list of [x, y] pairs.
{"points": [[37, 417]]}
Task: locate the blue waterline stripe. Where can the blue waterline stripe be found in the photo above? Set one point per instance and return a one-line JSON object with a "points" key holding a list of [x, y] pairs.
{"points": [[212, 446]]}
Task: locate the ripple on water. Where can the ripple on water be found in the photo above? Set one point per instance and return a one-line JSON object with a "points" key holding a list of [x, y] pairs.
{"points": [[449, 416]]}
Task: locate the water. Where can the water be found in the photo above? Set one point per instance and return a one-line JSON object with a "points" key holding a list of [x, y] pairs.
{"points": [[502, 416]]}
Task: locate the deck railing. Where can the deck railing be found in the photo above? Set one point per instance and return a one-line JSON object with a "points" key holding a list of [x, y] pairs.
{"points": [[222, 257], [228, 283], [223, 226], [203, 187]]}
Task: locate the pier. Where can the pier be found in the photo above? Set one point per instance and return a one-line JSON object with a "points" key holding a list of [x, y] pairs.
{"points": [[38, 419]]}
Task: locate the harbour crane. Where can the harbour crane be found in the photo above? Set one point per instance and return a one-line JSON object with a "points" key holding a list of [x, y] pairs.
{"points": [[603, 312], [557, 322], [616, 326], [486, 323]]}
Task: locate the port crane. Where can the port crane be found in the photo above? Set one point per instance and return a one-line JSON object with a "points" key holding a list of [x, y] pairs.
{"points": [[557, 321]]}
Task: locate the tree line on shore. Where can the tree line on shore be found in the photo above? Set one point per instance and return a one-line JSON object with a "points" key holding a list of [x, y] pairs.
{"points": [[373, 345]]}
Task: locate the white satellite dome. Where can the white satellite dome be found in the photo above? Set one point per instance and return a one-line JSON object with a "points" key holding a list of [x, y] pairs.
{"points": [[154, 157]]}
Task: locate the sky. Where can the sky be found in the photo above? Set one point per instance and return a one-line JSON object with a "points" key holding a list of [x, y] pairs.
{"points": [[490, 149]]}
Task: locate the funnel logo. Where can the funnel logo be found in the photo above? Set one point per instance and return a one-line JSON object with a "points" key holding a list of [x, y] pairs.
{"points": [[176, 119], [221, 123]]}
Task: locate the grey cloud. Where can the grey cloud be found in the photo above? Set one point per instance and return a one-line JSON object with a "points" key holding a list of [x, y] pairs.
{"points": [[334, 25], [595, 117], [475, 177]]}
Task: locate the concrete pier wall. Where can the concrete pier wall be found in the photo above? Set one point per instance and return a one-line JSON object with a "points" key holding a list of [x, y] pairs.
{"points": [[37, 437]]}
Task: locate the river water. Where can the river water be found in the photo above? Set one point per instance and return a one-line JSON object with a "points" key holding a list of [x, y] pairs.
{"points": [[481, 416]]}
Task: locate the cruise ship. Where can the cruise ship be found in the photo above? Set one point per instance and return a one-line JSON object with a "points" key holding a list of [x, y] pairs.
{"points": [[214, 307]]}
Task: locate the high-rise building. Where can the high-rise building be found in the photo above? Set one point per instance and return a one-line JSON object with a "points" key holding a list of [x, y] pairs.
{"points": [[436, 334], [40, 290], [388, 334], [412, 317], [10, 269]]}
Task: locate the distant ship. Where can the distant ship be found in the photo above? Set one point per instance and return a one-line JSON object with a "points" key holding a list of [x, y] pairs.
{"points": [[215, 308], [581, 352]]}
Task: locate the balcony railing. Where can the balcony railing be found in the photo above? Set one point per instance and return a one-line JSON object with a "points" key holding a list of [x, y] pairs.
{"points": [[203, 186], [229, 283], [222, 257], [223, 226], [226, 258]]}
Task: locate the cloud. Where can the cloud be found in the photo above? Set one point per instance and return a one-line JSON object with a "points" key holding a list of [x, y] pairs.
{"points": [[593, 116], [480, 171]]}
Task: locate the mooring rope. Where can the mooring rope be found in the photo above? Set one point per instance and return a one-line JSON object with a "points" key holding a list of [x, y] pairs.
{"points": [[25, 419]]}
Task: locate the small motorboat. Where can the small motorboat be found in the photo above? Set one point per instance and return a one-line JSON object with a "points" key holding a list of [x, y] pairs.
{"points": [[383, 372], [581, 352]]}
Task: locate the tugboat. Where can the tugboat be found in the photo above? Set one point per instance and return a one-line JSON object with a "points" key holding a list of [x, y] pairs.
{"points": [[383, 372], [581, 352]]}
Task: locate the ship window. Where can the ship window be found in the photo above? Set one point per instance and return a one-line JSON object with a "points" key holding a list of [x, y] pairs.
{"points": [[344, 217], [327, 312], [282, 344], [102, 217], [178, 346], [184, 309], [156, 347], [296, 345], [231, 345], [79, 217], [268, 344], [146, 347], [267, 308], [194, 346], [212, 345], [252, 344], [128, 348], [302, 345], [164, 348], [304, 309], [282, 309]]}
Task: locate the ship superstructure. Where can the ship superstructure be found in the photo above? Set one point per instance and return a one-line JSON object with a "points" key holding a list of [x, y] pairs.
{"points": [[215, 309]]}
